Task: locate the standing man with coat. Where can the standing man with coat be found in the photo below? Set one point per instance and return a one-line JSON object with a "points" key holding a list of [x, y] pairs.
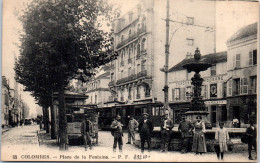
{"points": [[117, 132], [166, 133], [185, 128], [145, 128], [251, 134], [86, 129], [132, 126]]}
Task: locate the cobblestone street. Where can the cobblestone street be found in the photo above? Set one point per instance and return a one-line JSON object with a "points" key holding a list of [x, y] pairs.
{"points": [[22, 143]]}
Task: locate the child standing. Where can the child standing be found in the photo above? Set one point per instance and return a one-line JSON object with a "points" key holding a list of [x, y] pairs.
{"points": [[221, 137]]}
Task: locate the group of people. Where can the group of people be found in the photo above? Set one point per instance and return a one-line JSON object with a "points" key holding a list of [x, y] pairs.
{"points": [[189, 132]]}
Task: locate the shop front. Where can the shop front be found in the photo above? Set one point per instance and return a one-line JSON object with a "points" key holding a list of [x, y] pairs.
{"points": [[241, 109]]}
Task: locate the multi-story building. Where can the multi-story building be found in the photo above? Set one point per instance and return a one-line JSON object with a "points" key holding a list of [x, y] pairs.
{"points": [[5, 102], [213, 88], [242, 74], [139, 39], [97, 90]]}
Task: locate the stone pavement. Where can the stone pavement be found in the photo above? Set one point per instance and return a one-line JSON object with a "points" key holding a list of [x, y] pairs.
{"points": [[133, 153]]}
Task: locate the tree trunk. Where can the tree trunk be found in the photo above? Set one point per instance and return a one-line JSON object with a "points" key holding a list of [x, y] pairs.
{"points": [[44, 118], [62, 117], [47, 120], [53, 123]]}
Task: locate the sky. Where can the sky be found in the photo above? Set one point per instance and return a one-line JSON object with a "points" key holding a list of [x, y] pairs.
{"points": [[230, 17]]}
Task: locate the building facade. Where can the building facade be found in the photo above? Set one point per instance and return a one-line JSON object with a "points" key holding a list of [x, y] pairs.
{"points": [[97, 90], [6, 106], [213, 88], [136, 77], [242, 75]]}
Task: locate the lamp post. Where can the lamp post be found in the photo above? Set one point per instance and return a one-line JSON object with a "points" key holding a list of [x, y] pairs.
{"points": [[166, 67]]}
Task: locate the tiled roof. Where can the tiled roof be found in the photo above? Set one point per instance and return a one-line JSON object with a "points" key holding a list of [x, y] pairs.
{"points": [[209, 58], [244, 32]]}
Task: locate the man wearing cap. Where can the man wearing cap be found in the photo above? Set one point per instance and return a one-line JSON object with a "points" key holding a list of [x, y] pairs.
{"points": [[145, 128], [166, 132], [116, 128], [132, 126], [251, 133], [185, 128], [86, 129]]}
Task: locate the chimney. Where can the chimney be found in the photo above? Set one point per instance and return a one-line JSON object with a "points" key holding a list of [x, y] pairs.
{"points": [[189, 55]]}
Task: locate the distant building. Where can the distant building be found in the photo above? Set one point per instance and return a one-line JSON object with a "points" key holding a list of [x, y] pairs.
{"points": [[242, 74], [97, 90], [213, 89], [139, 38], [6, 106]]}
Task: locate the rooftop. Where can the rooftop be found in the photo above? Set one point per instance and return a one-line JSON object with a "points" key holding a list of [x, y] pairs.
{"points": [[244, 32], [212, 58]]}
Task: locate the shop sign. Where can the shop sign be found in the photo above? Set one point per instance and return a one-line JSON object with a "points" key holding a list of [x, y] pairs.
{"points": [[217, 102]]}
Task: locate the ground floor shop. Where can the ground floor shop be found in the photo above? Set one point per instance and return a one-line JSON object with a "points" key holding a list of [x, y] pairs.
{"points": [[226, 110], [242, 108]]}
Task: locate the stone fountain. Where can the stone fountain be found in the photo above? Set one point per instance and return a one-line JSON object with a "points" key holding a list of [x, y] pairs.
{"points": [[197, 65]]}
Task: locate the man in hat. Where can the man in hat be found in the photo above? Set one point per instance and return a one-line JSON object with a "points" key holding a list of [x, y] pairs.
{"points": [[185, 128], [116, 128], [251, 135], [145, 128], [86, 129], [166, 132], [132, 126]]}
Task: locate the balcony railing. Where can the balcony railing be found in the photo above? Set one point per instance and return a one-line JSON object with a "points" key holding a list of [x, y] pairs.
{"points": [[122, 99], [132, 77], [138, 96], [112, 83], [130, 38]]}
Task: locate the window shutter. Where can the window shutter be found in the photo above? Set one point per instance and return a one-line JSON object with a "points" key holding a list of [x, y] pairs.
{"points": [[173, 91], [182, 94], [250, 58], [206, 92]]}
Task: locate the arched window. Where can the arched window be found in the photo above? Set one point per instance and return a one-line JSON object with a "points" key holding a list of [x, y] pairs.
{"points": [[122, 38], [143, 45], [138, 28], [144, 23], [130, 33], [143, 65], [138, 49]]}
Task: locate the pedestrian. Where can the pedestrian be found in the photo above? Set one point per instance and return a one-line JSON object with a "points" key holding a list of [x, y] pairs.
{"points": [[251, 138], [132, 126], [221, 137], [86, 129], [145, 128], [185, 128], [117, 132], [199, 144], [166, 133]]}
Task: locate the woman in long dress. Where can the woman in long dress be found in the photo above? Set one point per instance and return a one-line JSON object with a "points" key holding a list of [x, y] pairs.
{"points": [[221, 137], [199, 144]]}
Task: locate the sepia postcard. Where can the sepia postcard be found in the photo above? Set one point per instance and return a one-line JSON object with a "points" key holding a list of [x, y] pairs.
{"points": [[130, 80]]}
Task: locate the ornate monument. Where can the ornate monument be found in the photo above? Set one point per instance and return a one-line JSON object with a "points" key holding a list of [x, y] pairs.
{"points": [[197, 65]]}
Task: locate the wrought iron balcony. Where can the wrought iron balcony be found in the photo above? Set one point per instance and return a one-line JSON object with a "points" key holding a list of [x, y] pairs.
{"points": [[132, 77], [112, 83]]}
